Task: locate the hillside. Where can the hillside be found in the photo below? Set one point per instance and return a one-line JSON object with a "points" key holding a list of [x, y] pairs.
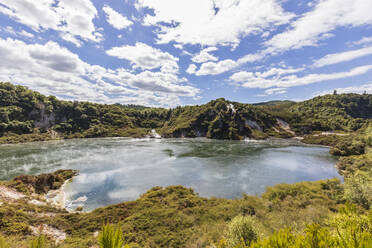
{"points": [[27, 115], [23, 111], [343, 112], [222, 119]]}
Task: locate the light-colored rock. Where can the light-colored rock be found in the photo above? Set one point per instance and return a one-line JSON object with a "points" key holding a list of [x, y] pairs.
{"points": [[45, 119], [37, 202], [42, 215], [285, 126], [57, 197], [253, 124], [231, 106], [153, 134], [81, 199], [333, 133], [49, 231], [8, 194]]}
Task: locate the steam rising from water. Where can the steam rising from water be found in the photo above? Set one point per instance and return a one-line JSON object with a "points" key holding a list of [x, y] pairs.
{"points": [[116, 169]]}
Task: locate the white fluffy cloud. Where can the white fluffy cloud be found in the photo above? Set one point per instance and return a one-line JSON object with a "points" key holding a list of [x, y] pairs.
{"points": [[10, 30], [317, 24], [336, 58], [206, 22], [116, 19], [363, 41], [310, 28], [54, 70], [146, 57], [191, 69], [205, 56], [254, 80], [71, 18], [212, 68], [26, 34], [274, 91]]}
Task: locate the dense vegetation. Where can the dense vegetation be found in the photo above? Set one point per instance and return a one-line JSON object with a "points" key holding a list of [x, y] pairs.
{"points": [[27, 115], [23, 111], [326, 213], [344, 112]]}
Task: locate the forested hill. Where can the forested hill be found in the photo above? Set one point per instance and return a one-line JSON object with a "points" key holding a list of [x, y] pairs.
{"points": [[27, 115]]}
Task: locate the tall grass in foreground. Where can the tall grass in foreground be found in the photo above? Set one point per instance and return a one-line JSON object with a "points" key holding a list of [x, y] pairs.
{"points": [[3, 243], [111, 237], [39, 242]]}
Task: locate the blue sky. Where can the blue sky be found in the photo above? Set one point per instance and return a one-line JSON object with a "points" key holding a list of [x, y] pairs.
{"points": [[178, 52]]}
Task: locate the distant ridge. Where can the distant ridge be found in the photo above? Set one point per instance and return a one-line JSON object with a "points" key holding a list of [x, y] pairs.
{"points": [[27, 112]]}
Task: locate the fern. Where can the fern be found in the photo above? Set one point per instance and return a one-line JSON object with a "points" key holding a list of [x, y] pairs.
{"points": [[111, 237], [39, 242]]}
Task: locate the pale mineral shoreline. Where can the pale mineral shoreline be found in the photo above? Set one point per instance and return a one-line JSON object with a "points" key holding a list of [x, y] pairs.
{"points": [[57, 197]]}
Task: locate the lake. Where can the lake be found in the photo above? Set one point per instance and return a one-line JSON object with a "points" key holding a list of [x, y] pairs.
{"points": [[113, 170]]}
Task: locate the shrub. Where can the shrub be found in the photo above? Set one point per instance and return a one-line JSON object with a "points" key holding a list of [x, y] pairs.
{"points": [[283, 238], [352, 230], [358, 189], [315, 237], [241, 230]]}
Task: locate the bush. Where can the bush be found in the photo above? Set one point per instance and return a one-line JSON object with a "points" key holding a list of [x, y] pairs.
{"points": [[352, 229], [283, 238], [349, 147], [315, 237], [241, 230], [358, 189]]}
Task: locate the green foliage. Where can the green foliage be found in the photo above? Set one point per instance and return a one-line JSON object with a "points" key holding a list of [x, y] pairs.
{"points": [[358, 188], [3, 243], [241, 230], [324, 140], [111, 237], [346, 229], [315, 237], [349, 147], [344, 112], [219, 119], [352, 229], [283, 238], [303, 191], [39, 242], [42, 183], [23, 112]]}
